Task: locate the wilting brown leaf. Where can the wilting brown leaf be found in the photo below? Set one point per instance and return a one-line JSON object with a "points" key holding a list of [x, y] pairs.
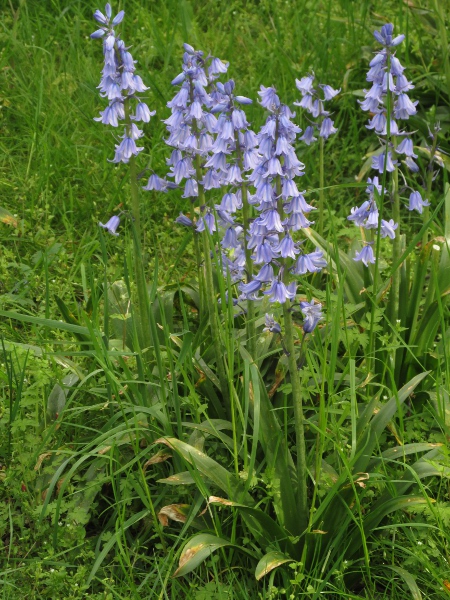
{"points": [[217, 500], [41, 459], [7, 218], [176, 512], [159, 457]]}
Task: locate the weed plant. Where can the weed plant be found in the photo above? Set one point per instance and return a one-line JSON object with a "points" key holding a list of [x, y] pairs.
{"points": [[243, 404]]}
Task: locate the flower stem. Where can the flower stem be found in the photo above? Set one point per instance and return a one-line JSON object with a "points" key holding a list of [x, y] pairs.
{"points": [[396, 250], [426, 209], [321, 186], [142, 307], [302, 471], [250, 323], [211, 300]]}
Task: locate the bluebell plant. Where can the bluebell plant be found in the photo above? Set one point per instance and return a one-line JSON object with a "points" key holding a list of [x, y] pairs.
{"points": [[389, 104], [278, 257], [282, 209], [235, 155], [313, 101], [121, 85], [191, 128], [390, 109]]}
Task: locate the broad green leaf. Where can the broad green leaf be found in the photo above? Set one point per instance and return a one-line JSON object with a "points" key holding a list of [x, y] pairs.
{"points": [[57, 397], [376, 515], [393, 504], [264, 527], [400, 451], [198, 549], [208, 467], [186, 345], [269, 562], [276, 453]]}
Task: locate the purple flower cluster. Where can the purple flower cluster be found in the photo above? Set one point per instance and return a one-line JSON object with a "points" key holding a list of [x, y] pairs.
{"points": [[282, 208], [120, 85], [234, 154], [314, 104], [386, 99], [191, 128]]}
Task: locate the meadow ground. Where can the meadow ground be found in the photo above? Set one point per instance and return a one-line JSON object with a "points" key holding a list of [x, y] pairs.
{"points": [[92, 503]]}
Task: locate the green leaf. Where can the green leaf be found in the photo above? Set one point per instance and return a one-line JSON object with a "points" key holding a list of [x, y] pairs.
{"points": [[44, 322], [198, 549], [269, 562], [376, 515], [275, 450], [211, 469], [57, 397], [400, 451], [370, 435], [409, 580], [264, 528]]}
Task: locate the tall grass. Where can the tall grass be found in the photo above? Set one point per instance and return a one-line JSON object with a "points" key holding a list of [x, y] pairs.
{"points": [[125, 461]]}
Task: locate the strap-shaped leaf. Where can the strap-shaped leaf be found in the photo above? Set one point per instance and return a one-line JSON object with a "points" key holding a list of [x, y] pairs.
{"points": [[208, 467], [269, 562], [268, 529], [198, 548]]}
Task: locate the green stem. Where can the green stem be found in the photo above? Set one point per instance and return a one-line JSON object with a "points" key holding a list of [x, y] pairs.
{"points": [[142, 307], [211, 300], [426, 209], [302, 471], [250, 322], [201, 279], [321, 186], [213, 318], [396, 251]]}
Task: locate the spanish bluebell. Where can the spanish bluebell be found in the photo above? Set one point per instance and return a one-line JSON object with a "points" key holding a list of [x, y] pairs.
{"points": [[366, 255], [312, 313], [112, 225], [271, 325], [281, 207], [314, 104], [120, 84], [416, 202]]}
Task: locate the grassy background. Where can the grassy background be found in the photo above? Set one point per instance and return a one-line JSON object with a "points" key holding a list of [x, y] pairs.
{"points": [[56, 180]]}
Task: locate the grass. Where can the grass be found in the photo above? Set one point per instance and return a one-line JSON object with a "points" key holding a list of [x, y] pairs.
{"points": [[82, 409]]}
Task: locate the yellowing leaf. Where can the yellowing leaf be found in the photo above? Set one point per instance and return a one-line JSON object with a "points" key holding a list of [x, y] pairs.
{"points": [[176, 512], [269, 562], [7, 218], [198, 549]]}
